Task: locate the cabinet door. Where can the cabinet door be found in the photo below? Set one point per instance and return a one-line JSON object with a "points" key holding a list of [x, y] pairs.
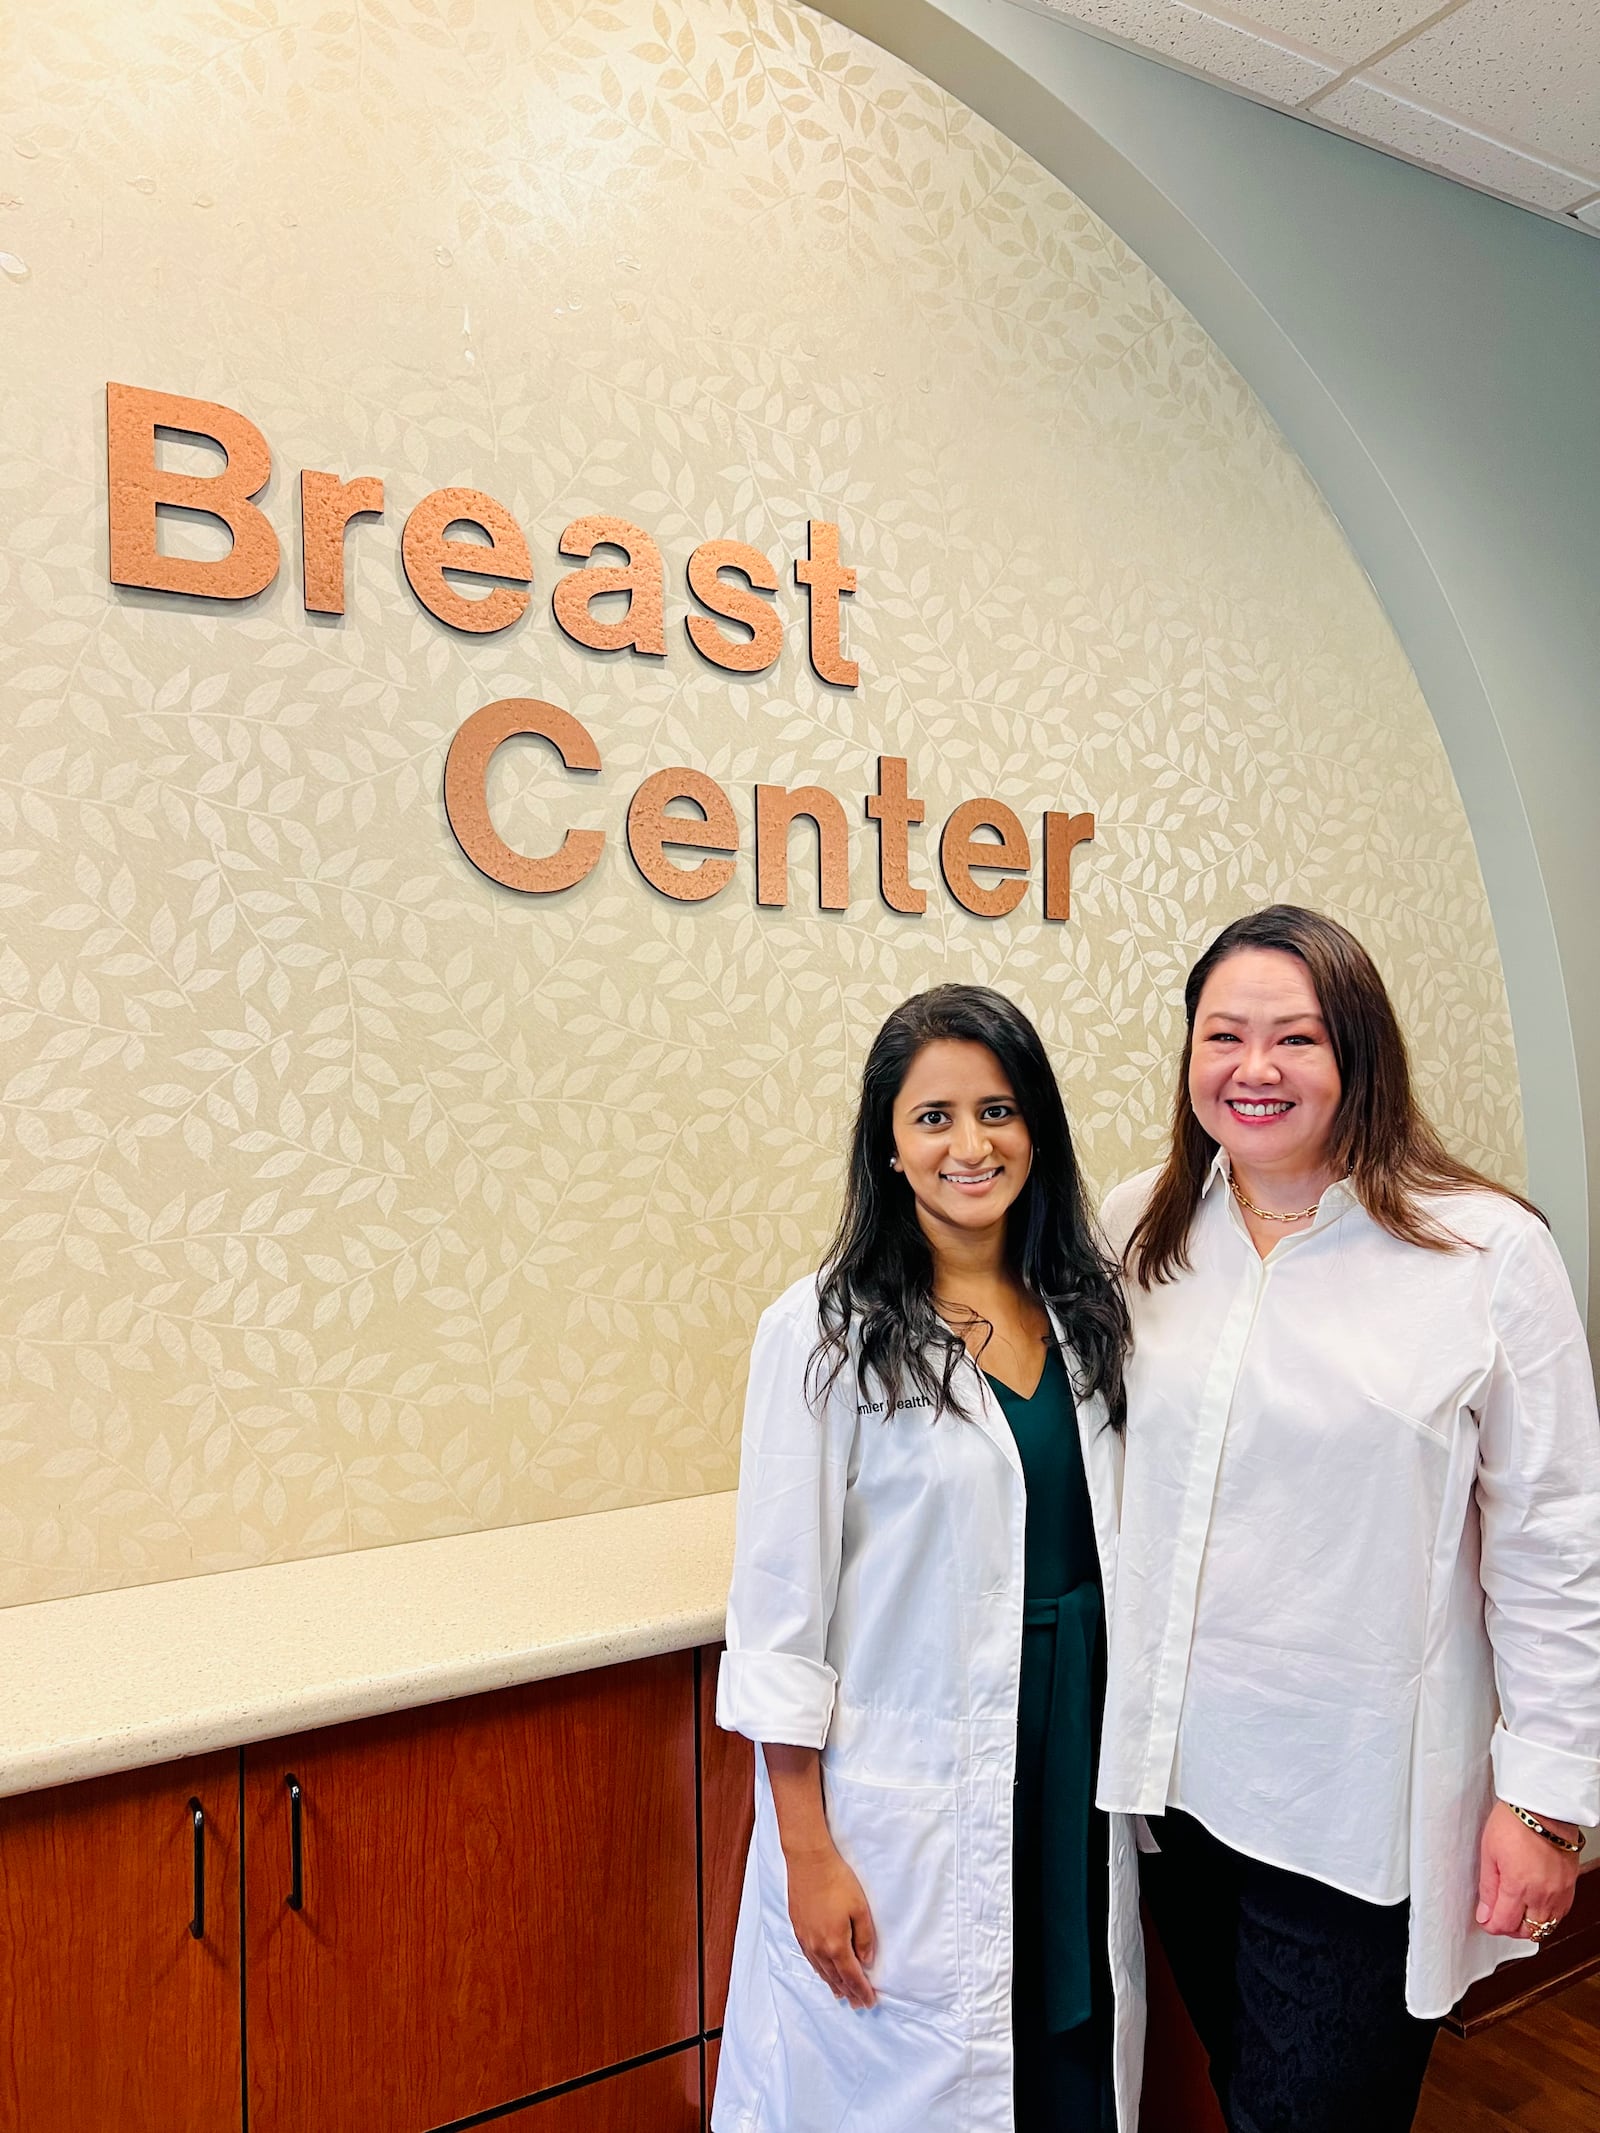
{"points": [[663, 2097], [727, 1782], [498, 1895], [112, 2012]]}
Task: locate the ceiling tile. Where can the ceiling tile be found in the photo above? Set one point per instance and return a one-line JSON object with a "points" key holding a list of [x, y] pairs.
{"points": [[1346, 30], [1206, 43], [1527, 69], [1590, 214], [1388, 122]]}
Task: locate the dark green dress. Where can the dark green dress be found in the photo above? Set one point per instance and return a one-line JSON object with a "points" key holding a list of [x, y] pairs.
{"points": [[1061, 1986]]}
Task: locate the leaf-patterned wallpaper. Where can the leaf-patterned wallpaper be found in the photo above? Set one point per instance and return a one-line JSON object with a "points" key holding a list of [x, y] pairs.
{"points": [[346, 1198]]}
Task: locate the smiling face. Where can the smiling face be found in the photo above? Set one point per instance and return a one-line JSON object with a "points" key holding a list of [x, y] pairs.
{"points": [[1262, 1077], [960, 1139]]}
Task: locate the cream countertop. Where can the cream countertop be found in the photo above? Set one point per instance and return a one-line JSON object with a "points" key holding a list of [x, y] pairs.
{"points": [[117, 1680]]}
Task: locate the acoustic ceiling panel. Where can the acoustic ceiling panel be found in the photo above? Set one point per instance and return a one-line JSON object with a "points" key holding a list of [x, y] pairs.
{"points": [[1211, 44], [1345, 30], [1364, 108], [1525, 70], [1503, 95]]}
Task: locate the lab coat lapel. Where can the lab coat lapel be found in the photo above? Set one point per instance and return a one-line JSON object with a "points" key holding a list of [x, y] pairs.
{"points": [[1102, 1464], [990, 1418]]}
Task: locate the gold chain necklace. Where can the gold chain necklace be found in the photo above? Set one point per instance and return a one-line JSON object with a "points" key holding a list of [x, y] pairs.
{"points": [[1266, 1213]]}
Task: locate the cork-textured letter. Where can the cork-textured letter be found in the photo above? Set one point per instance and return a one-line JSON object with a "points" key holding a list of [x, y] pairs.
{"points": [[959, 854], [825, 577], [641, 628], [894, 810], [775, 810], [327, 505], [427, 555], [138, 487], [466, 800], [650, 828], [752, 655], [1062, 834]]}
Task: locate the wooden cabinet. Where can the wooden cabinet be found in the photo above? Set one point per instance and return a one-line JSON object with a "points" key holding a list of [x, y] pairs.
{"points": [[512, 1894], [499, 1895], [662, 2097], [112, 2012], [727, 1814]]}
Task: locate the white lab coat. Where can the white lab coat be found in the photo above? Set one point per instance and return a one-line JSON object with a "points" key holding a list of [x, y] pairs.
{"points": [[876, 1614]]}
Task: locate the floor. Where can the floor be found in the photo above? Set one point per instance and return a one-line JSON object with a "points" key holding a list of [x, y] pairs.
{"points": [[1537, 2072]]}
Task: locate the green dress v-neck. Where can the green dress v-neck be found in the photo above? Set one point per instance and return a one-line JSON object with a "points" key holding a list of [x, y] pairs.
{"points": [[1061, 1985]]}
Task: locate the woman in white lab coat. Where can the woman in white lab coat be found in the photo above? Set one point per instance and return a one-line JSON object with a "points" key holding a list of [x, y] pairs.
{"points": [[938, 1933], [1355, 1653]]}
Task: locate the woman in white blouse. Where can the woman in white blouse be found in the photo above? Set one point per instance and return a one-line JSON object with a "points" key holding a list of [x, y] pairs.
{"points": [[1355, 1652]]}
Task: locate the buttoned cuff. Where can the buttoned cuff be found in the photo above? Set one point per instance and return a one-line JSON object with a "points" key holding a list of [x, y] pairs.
{"points": [[1546, 1781], [776, 1696]]}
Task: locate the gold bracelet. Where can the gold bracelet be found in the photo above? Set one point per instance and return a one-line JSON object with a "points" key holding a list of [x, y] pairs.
{"points": [[1562, 1844]]}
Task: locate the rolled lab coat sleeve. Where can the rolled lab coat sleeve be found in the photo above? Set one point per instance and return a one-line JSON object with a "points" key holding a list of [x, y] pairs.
{"points": [[775, 1682], [1539, 1502]]}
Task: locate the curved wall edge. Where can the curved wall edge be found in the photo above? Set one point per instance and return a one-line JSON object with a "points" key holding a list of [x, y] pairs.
{"points": [[962, 61]]}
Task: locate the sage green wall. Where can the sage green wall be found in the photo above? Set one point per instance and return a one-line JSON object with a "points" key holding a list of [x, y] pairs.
{"points": [[1430, 354]]}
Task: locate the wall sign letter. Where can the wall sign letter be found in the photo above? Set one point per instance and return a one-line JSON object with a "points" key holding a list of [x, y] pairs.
{"points": [[428, 555], [1062, 834], [775, 810], [466, 801], [959, 854], [650, 828], [644, 581], [826, 578], [327, 505], [138, 487], [894, 811], [739, 656]]}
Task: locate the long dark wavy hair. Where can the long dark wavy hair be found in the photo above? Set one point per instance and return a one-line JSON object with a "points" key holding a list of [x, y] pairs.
{"points": [[876, 1285], [1380, 1136]]}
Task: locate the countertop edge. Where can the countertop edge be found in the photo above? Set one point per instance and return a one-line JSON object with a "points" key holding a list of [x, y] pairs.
{"points": [[110, 1683], [70, 1762]]}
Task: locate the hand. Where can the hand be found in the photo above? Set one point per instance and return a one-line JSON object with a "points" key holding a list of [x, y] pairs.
{"points": [[1520, 1876], [832, 1923]]}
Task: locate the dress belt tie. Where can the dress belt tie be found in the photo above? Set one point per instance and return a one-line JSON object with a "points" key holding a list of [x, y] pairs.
{"points": [[1068, 1799]]}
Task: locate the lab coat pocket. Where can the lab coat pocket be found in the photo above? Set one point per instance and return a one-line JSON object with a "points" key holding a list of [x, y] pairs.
{"points": [[900, 1842]]}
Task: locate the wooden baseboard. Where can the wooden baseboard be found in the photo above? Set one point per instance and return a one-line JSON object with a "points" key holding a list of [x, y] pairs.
{"points": [[1571, 1953]]}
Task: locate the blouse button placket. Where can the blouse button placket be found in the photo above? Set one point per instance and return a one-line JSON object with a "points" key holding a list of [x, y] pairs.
{"points": [[1166, 1703]]}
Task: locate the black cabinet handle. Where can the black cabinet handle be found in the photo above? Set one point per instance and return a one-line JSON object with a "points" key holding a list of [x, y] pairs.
{"points": [[297, 1894], [197, 1924]]}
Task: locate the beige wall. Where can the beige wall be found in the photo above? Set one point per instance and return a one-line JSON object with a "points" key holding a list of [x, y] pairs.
{"points": [[1451, 438], [345, 1197]]}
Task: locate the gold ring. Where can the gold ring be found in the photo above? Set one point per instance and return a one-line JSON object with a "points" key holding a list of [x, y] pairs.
{"points": [[1539, 1928]]}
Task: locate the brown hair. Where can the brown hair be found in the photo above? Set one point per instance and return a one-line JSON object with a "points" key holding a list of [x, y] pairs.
{"points": [[1380, 1135]]}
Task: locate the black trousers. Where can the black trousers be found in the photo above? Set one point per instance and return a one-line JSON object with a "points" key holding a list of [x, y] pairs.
{"points": [[1297, 1990]]}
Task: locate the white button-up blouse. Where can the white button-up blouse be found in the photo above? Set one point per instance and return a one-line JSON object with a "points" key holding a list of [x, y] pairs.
{"points": [[1360, 1557]]}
